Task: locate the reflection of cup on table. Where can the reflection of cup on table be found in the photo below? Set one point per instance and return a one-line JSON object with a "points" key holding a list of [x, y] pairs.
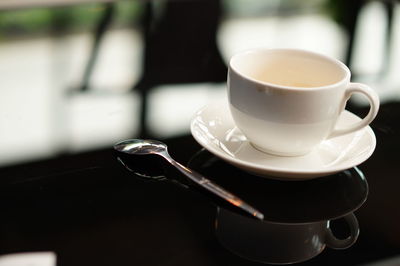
{"points": [[279, 243], [297, 215], [286, 101]]}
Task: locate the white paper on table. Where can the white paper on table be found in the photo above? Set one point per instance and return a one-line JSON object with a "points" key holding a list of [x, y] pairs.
{"points": [[29, 259]]}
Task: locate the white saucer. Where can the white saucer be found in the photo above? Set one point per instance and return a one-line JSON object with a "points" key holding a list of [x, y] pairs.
{"points": [[213, 128]]}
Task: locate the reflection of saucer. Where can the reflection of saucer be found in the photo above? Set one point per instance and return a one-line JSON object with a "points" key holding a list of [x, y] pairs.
{"points": [[214, 129], [311, 200]]}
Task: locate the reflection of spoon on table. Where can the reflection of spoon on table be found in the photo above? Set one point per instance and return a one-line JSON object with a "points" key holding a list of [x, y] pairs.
{"points": [[141, 147]]}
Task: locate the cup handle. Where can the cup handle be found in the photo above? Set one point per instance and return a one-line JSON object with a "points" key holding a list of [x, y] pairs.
{"points": [[335, 243], [373, 99]]}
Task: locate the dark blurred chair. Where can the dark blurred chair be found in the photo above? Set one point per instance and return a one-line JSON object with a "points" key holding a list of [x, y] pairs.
{"points": [[347, 14], [179, 47]]}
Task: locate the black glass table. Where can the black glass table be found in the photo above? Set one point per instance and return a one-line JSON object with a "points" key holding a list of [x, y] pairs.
{"points": [[89, 209]]}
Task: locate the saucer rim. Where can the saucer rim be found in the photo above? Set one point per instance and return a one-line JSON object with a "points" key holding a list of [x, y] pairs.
{"points": [[274, 172]]}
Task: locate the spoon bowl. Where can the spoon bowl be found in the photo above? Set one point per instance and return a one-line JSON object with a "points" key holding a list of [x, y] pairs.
{"points": [[140, 147]]}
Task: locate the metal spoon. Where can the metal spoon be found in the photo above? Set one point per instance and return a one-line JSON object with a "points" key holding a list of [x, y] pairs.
{"points": [[146, 147]]}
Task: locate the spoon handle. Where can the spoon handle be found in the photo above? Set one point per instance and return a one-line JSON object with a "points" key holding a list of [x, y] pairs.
{"points": [[217, 190]]}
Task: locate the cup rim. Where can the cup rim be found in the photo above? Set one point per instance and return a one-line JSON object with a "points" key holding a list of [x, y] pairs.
{"points": [[341, 65]]}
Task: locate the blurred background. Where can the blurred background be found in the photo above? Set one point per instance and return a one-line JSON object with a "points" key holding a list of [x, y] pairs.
{"points": [[80, 75]]}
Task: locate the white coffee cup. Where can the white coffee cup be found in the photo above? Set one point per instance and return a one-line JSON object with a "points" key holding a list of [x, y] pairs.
{"points": [[287, 101]]}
